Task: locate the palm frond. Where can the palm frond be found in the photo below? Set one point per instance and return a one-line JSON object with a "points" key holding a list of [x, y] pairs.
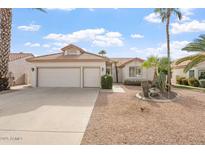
{"points": [[197, 45], [178, 13], [40, 9], [198, 59], [181, 60]]}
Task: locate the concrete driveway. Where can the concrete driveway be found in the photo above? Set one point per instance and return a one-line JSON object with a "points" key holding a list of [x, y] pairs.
{"points": [[45, 115]]}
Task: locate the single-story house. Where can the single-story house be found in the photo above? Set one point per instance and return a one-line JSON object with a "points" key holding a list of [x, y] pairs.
{"points": [[178, 70], [129, 69], [74, 67], [19, 68]]}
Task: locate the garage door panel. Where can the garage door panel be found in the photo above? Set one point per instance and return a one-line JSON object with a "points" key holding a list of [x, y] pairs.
{"points": [[59, 77], [91, 77]]}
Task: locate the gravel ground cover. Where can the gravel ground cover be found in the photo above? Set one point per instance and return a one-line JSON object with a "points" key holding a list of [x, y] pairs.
{"points": [[121, 118]]}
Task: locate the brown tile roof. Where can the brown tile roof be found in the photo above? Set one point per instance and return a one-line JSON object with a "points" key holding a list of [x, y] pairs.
{"points": [[20, 55], [121, 62], [60, 57]]}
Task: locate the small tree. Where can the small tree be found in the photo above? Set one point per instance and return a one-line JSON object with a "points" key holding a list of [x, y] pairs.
{"points": [[152, 62], [102, 52]]}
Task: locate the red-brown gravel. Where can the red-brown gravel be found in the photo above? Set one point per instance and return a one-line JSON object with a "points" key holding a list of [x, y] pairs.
{"points": [[120, 118]]}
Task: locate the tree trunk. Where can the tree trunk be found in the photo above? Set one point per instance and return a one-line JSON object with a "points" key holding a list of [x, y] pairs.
{"points": [[168, 53], [5, 41]]}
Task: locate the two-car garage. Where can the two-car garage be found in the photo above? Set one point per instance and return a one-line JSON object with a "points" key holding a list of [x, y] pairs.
{"points": [[71, 67], [68, 77]]}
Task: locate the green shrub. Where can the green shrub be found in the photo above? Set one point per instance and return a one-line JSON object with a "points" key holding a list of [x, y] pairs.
{"points": [[179, 79], [185, 82], [106, 82], [132, 82], [193, 82], [202, 83], [4, 84]]}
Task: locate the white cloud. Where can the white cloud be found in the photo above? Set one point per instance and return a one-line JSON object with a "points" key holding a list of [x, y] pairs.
{"points": [[192, 26], [62, 9], [161, 50], [98, 37], [186, 13], [91, 9], [31, 27], [46, 45], [153, 18], [137, 36], [60, 44], [29, 44]]}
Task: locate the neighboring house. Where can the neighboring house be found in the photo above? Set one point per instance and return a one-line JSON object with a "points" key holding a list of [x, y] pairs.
{"points": [[129, 69], [19, 68], [178, 71], [74, 67]]}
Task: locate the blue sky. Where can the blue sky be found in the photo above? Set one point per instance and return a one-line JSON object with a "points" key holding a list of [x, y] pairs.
{"points": [[121, 32]]}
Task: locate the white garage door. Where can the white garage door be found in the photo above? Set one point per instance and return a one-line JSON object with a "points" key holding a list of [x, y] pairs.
{"points": [[91, 77], [59, 77]]}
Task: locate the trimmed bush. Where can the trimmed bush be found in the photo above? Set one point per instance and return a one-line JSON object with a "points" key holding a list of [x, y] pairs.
{"points": [[106, 82], [4, 84], [132, 82], [202, 83], [179, 79], [185, 82], [193, 82]]}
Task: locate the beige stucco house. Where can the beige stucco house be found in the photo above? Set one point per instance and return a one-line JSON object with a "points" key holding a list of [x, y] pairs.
{"points": [[178, 70], [19, 68], [71, 67], [74, 67], [130, 69]]}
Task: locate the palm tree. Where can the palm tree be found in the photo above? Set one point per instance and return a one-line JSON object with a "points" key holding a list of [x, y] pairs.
{"points": [[197, 45], [152, 62], [102, 52], [165, 14], [5, 39], [5, 43]]}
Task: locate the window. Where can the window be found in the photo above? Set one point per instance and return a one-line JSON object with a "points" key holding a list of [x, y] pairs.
{"points": [[191, 73], [201, 74], [134, 71]]}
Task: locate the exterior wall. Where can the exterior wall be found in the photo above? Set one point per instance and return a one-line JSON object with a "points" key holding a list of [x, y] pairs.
{"points": [[20, 70], [123, 73], [147, 74], [179, 72], [101, 65]]}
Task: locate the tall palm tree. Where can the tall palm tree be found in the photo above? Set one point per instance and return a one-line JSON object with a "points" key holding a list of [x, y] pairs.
{"points": [[102, 52], [5, 43], [165, 14], [197, 45], [5, 39]]}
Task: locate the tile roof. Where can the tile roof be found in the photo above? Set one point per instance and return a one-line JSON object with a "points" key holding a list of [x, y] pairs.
{"points": [[20, 55], [60, 57], [121, 62]]}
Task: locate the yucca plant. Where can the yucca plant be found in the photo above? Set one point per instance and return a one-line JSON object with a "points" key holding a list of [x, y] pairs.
{"points": [[197, 45]]}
